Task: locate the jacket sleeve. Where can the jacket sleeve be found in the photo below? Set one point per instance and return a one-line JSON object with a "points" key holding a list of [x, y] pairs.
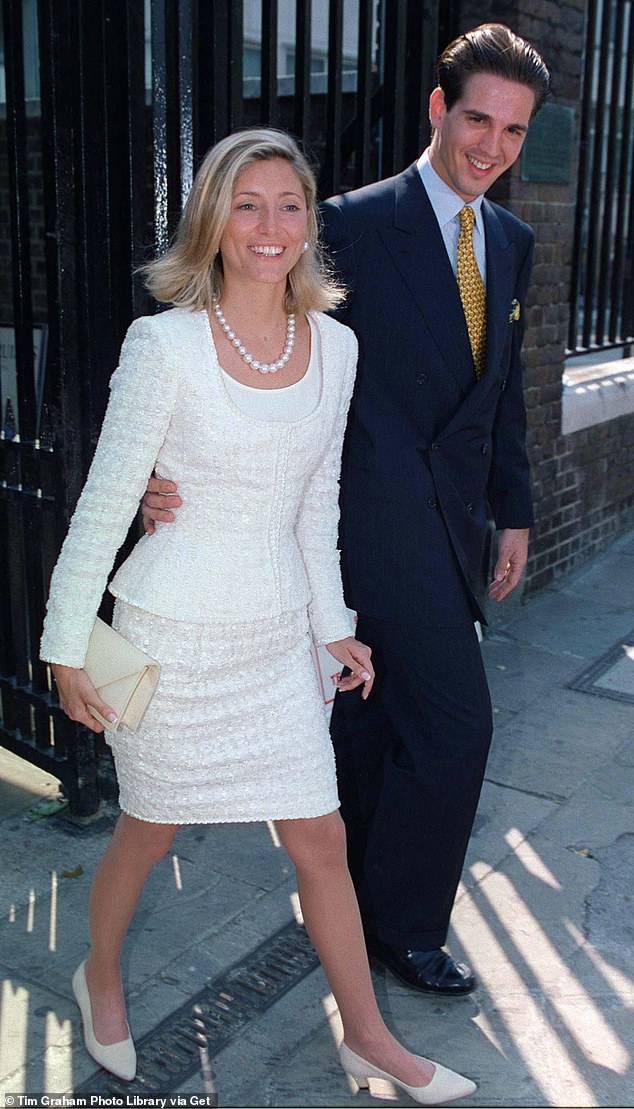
{"points": [[317, 525], [143, 392], [338, 242], [508, 488]]}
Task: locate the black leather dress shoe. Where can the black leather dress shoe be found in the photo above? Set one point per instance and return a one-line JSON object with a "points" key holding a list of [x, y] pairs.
{"points": [[430, 971]]}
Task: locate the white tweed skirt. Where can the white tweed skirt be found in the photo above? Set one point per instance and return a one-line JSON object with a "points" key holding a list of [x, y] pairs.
{"points": [[237, 728]]}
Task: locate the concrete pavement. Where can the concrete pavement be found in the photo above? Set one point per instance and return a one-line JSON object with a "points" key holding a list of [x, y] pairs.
{"points": [[544, 913]]}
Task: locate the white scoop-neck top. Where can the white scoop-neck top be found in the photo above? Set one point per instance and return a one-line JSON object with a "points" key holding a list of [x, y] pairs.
{"points": [[291, 402]]}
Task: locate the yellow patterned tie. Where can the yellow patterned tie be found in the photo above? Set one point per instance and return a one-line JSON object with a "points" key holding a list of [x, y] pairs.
{"points": [[472, 292]]}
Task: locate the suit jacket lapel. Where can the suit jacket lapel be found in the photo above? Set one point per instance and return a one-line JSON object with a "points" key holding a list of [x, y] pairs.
{"points": [[417, 248], [500, 260]]}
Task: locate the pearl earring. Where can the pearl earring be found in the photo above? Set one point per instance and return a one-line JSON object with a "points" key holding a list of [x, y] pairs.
{"points": [[306, 246]]}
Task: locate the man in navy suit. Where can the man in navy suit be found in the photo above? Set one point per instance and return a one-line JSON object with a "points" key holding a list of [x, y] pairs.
{"points": [[436, 439]]}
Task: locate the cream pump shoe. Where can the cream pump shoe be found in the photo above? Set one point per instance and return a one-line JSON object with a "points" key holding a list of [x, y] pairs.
{"points": [[446, 1085], [118, 1058]]}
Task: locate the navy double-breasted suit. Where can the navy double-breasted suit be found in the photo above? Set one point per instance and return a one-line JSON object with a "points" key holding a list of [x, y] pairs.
{"points": [[429, 452]]}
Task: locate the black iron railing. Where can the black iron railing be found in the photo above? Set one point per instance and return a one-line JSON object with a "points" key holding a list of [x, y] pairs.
{"points": [[602, 291]]}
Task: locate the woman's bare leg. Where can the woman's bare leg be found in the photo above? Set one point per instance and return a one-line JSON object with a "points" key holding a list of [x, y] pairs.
{"points": [[317, 847], [121, 875]]}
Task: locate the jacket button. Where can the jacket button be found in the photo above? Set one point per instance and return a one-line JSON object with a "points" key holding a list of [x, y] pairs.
{"points": [[432, 502], [503, 384], [421, 379], [485, 448], [434, 446], [469, 506]]}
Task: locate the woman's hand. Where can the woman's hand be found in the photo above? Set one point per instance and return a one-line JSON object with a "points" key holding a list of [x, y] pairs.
{"points": [[356, 656], [76, 691]]}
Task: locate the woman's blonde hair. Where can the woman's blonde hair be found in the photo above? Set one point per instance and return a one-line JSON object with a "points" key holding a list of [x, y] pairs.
{"points": [[190, 273]]}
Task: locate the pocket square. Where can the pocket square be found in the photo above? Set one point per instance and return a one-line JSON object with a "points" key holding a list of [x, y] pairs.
{"points": [[514, 314]]}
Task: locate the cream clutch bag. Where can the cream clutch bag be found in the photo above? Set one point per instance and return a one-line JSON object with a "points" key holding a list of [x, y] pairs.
{"points": [[123, 675]]}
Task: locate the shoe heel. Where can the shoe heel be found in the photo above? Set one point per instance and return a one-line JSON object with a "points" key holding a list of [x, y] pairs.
{"points": [[357, 1083]]}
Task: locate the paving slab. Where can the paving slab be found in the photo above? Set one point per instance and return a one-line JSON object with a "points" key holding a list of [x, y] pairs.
{"points": [[609, 921], [39, 848], [38, 1035], [167, 927], [605, 581], [519, 674], [505, 817], [566, 737], [250, 850], [595, 816], [563, 623]]}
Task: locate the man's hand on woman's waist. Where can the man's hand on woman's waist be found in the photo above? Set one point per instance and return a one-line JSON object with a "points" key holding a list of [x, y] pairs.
{"points": [[159, 501]]}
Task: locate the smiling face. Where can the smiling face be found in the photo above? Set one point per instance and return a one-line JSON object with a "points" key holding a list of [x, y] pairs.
{"points": [[267, 226], [481, 135]]}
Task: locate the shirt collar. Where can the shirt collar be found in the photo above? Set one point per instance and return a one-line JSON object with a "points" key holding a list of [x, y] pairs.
{"points": [[445, 202]]}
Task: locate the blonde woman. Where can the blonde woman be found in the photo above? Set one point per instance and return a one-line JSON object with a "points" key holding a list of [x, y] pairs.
{"points": [[240, 394]]}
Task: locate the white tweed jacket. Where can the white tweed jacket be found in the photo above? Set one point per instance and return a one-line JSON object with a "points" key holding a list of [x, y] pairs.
{"points": [[256, 535]]}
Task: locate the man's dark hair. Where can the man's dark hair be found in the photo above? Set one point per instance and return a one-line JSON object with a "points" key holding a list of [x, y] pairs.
{"points": [[492, 48]]}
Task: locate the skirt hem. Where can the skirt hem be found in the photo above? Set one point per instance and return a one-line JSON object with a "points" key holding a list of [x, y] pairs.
{"points": [[231, 819]]}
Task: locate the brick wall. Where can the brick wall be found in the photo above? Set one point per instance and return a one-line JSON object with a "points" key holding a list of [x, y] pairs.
{"points": [[584, 482]]}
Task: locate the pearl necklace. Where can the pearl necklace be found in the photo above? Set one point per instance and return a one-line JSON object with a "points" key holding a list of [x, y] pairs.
{"points": [[254, 363]]}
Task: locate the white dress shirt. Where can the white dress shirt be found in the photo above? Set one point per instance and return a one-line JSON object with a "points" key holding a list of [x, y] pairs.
{"points": [[447, 204]]}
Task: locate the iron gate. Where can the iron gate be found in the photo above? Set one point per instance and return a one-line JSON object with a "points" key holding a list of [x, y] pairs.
{"points": [[602, 294], [109, 107]]}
